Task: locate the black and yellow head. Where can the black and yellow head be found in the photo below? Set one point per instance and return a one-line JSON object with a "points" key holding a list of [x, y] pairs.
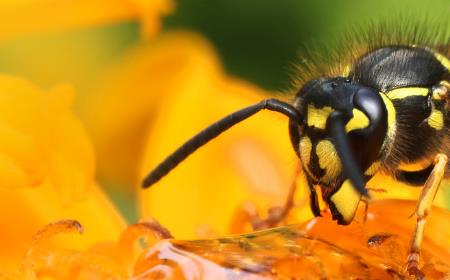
{"points": [[363, 113], [344, 127]]}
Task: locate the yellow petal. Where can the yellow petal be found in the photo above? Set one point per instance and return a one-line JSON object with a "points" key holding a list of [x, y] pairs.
{"points": [[150, 12], [51, 253], [125, 102], [390, 188], [253, 161], [18, 17], [46, 169]]}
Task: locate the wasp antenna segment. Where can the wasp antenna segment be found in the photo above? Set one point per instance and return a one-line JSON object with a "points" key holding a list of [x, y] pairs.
{"points": [[294, 136], [336, 127], [215, 130]]}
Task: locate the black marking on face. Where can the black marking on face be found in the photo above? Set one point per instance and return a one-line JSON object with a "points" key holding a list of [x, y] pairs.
{"points": [[323, 97]]}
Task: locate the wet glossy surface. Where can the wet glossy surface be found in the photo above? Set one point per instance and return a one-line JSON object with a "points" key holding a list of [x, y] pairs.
{"points": [[318, 249]]}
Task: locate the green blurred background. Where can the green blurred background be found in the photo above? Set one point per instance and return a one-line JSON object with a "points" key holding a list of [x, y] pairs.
{"points": [[258, 40]]}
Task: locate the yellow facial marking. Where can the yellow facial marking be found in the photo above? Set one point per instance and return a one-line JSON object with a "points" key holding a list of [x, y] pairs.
{"points": [[318, 117], [436, 119], [392, 116], [443, 60], [305, 150], [373, 168], [305, 147], [328, 159], [346, 201], [358, 121], [400, 93]]}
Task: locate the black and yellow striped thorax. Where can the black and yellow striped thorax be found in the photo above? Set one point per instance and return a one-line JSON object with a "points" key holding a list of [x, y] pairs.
{"points": [[408, 78]]}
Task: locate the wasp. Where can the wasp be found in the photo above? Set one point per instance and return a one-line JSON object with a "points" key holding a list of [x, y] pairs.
{"points": [[383, 106]]}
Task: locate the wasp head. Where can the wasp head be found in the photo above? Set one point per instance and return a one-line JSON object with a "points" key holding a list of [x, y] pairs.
{"points": [[343, 131]]}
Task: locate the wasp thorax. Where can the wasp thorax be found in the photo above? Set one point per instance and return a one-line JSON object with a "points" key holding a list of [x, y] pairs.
{"points": [[365, 117]]}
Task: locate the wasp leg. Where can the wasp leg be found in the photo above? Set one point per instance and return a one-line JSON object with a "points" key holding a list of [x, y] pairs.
{"points": [[366, 210], [426, 198], [277, 214], [247, 213], [244, 214], [366, 202]]}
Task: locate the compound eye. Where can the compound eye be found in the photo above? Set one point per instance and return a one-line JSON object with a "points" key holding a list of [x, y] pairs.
{"points": [[370, 102]]}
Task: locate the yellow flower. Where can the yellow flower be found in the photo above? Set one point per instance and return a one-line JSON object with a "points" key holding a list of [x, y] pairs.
{"points": [[46, 169], [23, 17], [46, 160], [160, 94]]}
